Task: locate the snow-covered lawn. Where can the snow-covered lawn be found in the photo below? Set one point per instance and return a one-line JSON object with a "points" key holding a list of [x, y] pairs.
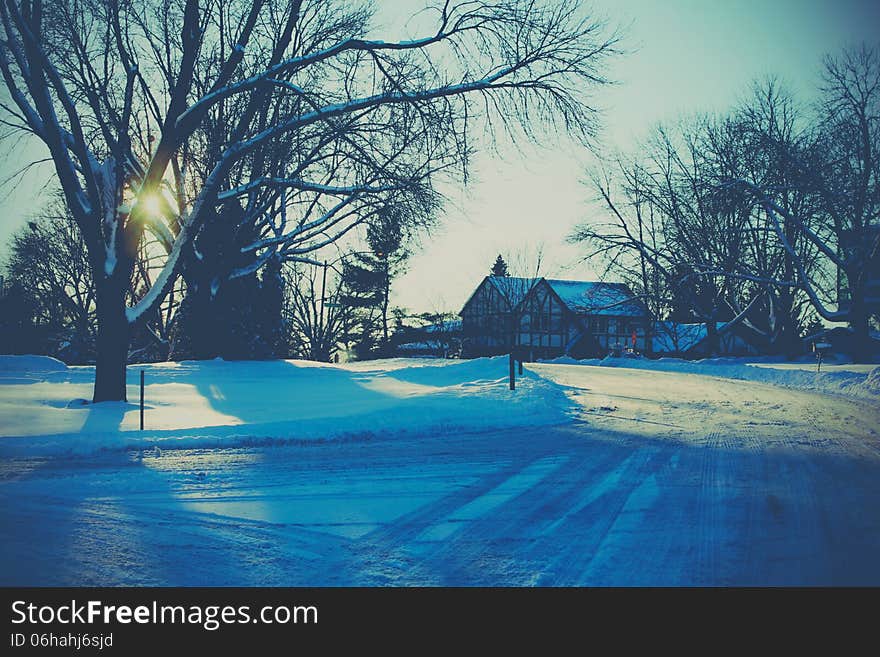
{"points": [[439, 475], [200, 404]]}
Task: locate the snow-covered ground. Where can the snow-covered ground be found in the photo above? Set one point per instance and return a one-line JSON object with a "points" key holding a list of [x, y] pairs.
{"points": [[200, 404], [852, 380], [586, 476]]}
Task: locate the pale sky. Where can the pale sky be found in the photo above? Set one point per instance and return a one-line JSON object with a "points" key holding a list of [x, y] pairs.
{"points": [[690, 56], [687, 56]]}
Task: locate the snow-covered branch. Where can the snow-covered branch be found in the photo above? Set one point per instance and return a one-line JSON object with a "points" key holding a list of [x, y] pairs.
{"points": [[303, 185]]}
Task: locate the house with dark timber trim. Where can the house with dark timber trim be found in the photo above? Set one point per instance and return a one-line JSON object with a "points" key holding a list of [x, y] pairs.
{"points": [[545, 318]]}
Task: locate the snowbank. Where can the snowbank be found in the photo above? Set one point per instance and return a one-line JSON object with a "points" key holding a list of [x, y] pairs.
{"points": [[862, 385], [30, 363], [205, 404]]}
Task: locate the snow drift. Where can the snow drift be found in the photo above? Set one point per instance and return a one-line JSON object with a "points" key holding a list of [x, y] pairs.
{"points": [[30, 363]]}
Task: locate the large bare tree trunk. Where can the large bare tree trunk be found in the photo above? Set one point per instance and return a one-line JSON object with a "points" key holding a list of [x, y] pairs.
{"points": [[711, 337], [858, 322], [112, 342]]}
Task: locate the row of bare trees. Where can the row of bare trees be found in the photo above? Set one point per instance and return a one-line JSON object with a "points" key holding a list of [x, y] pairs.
{"points": [[49, 301], [238, 132], [766, 218]]}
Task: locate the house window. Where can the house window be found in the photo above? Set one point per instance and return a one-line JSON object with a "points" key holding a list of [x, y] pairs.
{"points": [[599, 324]]}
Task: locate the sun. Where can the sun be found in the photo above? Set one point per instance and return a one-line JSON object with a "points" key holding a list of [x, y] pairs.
{"points": [[151, 203]]}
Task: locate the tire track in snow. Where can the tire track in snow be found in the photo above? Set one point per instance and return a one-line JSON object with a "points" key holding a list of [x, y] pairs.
{"points": [[647, 538], [502, 545], [791, 498], [799, 552], [578, 537], [708, 512], [563, 535], [758, 521], [730, 499], [378, 556]]}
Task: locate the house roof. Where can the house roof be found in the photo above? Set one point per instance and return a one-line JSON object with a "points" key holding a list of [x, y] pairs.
{"points": [[513, 288], [672, 337], [510, 287], [582, 297], [446, 326], [597, 298]]}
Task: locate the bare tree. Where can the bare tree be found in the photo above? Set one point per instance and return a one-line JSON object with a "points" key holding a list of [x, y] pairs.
{"points": [[697, 249], [630, 241], [668, 234], [843, 170], [315, 313], [159, 115], [48, 261], [766, 140]]}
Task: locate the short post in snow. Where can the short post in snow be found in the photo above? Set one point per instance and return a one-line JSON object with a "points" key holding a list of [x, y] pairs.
{"points": [[520, 365], [512, 372], [821, 348], [142, 400]]}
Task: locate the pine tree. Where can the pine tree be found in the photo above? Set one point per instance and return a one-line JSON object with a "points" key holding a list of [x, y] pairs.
{"points": [[500, 267], [367, 282], [20, 330], [220, 318], [273, 334]]}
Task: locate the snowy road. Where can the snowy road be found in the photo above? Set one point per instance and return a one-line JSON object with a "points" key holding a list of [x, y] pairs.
{"points": [[661, 479]]}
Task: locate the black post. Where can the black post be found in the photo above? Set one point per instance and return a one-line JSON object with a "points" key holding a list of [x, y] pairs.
{"points": [[520, 365], [512, 372], [142, 400], [323, 293]]}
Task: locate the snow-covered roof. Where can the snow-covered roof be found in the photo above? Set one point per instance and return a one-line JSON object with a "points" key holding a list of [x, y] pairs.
{"points": [[446, 326], [597, 298], [584, 297], [420, 346], [673, 337], [513, 288]]}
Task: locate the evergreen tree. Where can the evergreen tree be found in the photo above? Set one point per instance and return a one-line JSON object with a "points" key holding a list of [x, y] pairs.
{"points": [[361, 281], [272, 332], [367, 283], [20, 330], [221, 318], [500, 267]]}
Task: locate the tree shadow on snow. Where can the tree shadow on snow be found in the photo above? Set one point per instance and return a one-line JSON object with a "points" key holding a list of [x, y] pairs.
{"points": [[273, 392]]}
